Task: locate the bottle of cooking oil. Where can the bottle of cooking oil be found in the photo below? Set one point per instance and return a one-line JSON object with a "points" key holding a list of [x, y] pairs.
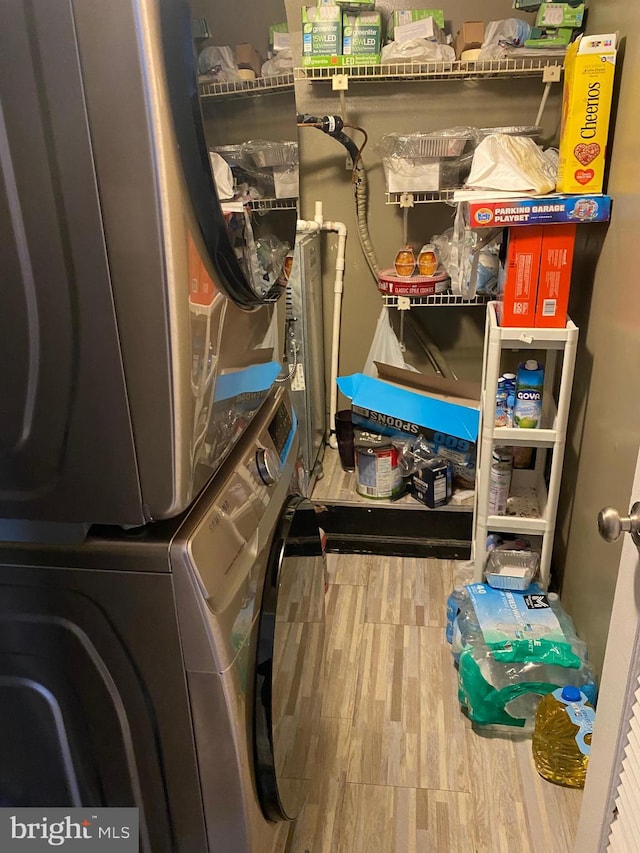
{"points": [[562, 737]]}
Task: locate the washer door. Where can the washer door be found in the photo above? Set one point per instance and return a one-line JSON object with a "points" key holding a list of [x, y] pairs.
{"points": [[289, 674]]}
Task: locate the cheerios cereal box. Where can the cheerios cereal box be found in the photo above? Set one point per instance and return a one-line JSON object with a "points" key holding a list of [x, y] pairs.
{"points": [[589, 70]]}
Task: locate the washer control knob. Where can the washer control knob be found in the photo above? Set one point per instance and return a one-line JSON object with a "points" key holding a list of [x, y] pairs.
{"points": [[268, 465]]}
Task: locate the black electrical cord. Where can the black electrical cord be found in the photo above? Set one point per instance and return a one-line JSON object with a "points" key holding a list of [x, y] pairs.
{"points": [[333, 126]]}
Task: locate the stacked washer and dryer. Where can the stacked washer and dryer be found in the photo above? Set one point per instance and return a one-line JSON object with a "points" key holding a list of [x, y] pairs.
{"points": [[161, 575]]}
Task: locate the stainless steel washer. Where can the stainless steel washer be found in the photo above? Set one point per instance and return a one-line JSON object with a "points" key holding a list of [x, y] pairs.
{"points": [[178, 667]]}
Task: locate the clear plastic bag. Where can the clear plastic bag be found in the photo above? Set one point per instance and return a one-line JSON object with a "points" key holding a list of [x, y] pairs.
{"points": [[280, 63], [413, 454], [218, 63], [265, 152], [504, 690], [501, 36], [449, 142], [416, 50], [263, 261]]}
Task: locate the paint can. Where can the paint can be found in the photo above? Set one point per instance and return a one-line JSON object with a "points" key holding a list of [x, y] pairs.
{"points": [[378, 474]]}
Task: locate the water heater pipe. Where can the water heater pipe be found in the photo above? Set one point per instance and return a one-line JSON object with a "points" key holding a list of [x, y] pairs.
{"points": [[320, 224]]}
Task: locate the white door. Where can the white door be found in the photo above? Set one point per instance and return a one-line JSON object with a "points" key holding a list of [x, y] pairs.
{"points": [[610, 815]]}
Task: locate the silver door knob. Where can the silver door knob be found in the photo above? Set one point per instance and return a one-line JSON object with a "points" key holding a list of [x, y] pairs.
{"points": [[611, 526]]}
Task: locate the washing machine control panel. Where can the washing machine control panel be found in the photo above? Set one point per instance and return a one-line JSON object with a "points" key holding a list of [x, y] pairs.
{"points": [[281, 430]]}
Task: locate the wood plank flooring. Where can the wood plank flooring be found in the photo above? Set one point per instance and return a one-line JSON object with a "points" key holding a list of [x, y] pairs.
{"points": [[399, 768]]}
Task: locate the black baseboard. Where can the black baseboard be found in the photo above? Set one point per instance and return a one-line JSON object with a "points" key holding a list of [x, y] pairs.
{"points": [[360, 529]]}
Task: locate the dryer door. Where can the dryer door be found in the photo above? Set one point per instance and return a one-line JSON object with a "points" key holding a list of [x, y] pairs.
{"points": [[289, 672]]}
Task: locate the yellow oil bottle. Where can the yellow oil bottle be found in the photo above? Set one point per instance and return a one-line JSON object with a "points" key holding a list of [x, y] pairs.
{"points": [[562, 737]]}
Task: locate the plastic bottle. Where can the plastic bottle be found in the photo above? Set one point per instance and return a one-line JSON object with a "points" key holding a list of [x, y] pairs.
{"points": [[562, 736], [466, 628], [454, 603], [501, 418], [568, 628], [500, 479]]}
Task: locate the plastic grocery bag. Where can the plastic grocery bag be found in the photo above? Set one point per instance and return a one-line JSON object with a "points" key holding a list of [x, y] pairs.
{"points": [[416, 50], [281, 63], [218, 62], [501, 36], [513, 163], [222, 176], [385, 347]]}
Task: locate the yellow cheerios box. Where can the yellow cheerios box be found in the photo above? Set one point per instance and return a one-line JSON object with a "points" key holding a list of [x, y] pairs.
{"points": [[589, 70]]}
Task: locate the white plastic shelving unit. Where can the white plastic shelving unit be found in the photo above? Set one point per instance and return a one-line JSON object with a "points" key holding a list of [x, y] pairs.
{"points": [[533, 500]]}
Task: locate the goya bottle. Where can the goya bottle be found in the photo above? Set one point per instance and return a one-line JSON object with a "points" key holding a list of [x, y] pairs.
{"points": [[527, 407], [562, 737]]}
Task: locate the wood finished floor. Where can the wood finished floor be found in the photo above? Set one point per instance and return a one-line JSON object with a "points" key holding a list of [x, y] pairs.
{"points": [[399, 769]]}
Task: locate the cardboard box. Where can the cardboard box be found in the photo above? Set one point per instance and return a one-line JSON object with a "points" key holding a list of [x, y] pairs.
{"points": [[432, 484], [356, 5], [554, 280], [539, 211], [340, 61], [420, 174], [412, 16], [279, 36], [555, 15], [426, 28], [248, 57], [361, 34], [518, 276], [400, 402], [589, 70], [321, 31], [470, 36]]}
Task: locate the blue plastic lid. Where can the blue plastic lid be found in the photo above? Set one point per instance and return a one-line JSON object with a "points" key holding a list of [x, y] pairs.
{"points": [[571, 694]]}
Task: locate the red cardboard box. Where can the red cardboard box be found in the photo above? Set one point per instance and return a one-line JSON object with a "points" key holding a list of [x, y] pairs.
{"points": [[518, 276], [554, 280]]}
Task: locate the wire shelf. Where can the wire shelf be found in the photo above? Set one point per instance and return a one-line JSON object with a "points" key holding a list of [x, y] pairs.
{"points": [[274, 204], [438, 299], [408, 199], [247, 88], [452, 70]]}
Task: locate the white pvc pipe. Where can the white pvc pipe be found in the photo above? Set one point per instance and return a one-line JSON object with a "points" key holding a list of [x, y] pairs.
{"points": [[319, 224], [543, 103]]}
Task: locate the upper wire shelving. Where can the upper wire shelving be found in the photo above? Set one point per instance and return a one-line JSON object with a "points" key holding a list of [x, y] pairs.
{"points": [[451, 70], [247, 88]]}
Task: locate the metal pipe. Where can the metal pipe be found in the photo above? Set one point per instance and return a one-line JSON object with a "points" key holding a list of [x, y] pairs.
{"points": [[431, 349]]}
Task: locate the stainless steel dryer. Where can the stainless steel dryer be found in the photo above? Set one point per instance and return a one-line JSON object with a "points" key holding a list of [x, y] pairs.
{"points": [[177, 668]]}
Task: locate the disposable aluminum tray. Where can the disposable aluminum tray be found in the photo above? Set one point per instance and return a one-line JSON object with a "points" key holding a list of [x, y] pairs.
{"points": [[273, 154], [514, 130], [501, 564], [431, 145], [233, 154]]}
